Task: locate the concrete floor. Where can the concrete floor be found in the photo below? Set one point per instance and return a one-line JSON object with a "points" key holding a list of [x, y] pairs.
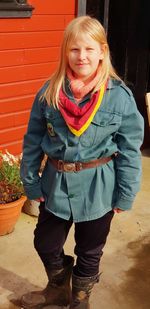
{"points": [[125, 266]]}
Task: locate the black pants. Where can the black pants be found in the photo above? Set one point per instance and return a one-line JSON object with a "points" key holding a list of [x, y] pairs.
{"points": [[90, 237]]}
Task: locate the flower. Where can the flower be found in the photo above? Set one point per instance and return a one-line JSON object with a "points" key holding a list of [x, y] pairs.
{"points": [[11, 187]]}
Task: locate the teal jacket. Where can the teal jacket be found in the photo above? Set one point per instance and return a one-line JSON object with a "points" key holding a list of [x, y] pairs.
{"points": [[88, 194]]}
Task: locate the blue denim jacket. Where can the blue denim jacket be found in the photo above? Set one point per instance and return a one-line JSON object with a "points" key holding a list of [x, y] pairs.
{"points": [[91, 193]]}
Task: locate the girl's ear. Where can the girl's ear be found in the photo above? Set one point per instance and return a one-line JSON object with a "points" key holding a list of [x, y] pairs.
{"points": [[101, 57], [102, 52]]}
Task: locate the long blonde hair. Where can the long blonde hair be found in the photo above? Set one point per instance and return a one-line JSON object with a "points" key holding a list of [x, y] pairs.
{"points": [[82, 24]]}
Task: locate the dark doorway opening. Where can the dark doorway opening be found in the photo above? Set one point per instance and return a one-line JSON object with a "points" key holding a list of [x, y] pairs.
{"points": [[129, 40]]}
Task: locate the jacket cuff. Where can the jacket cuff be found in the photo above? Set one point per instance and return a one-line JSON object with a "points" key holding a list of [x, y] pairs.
{"points": [[33, 191], [123, 204]]}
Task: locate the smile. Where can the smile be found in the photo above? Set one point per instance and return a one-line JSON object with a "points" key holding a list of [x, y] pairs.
{"points": [[81, 64]]}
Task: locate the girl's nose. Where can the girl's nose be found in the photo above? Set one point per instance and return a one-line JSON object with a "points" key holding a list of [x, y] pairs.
{"points": [[82, 54]]}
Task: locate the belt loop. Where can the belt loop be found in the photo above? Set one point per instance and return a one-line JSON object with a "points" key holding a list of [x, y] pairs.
{"points": [[60, 165], [78, 166]]}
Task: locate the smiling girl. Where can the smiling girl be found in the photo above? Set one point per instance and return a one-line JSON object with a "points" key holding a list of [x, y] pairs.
{"points": [[86, 121]]}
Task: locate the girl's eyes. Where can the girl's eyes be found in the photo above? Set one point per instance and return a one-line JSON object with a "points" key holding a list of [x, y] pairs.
{"points": [[77, 49]]}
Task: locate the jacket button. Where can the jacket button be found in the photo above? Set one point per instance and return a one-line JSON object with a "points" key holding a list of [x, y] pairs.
{"points": [[70, 144], [71, 195]]}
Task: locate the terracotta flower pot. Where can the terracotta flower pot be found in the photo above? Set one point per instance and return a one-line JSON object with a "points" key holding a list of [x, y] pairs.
{"points": [[9, 214]]}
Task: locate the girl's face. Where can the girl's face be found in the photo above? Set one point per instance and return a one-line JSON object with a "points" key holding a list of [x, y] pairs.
{"points": [[84, 56]]}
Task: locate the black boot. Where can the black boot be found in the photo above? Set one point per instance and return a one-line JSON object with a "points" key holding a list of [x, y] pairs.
{"points": [[81, 290], [57, 292]]}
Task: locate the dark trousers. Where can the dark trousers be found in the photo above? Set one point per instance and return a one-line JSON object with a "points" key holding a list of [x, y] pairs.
{"points": [[90, 237]]}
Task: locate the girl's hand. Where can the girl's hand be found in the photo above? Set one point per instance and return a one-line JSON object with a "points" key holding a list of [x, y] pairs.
{"points": [[40, 199], [118, 210]]}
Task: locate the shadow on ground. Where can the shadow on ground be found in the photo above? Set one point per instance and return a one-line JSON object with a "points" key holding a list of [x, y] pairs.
{"points": [[15, 284], [136, 285]]}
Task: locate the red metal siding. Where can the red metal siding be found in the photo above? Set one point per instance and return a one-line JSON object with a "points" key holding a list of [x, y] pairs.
{"points": [[29, 51]]}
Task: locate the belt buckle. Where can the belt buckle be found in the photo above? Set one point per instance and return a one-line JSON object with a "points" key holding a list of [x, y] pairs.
{"points": [[69, 167]]}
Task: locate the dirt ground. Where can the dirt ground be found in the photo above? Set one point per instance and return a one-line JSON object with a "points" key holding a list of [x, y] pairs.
{"points": [[125, 265]]}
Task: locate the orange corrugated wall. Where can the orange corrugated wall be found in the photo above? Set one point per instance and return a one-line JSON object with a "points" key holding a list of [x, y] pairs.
{"points": [[29, 51]]}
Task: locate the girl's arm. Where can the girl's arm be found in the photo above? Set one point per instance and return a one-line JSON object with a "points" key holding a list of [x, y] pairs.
{"points": [[128, 162], [32, 151]]}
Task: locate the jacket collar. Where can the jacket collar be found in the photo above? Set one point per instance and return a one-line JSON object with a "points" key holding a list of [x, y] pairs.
{"points": [[113, 83]]}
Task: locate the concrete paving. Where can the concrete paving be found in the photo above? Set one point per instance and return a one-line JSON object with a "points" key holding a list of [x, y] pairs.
{"points": [[125, 266]]}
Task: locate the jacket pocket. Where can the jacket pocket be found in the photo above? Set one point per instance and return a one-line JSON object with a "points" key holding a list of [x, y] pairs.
{"points": [[103, 126], [55, 124]]}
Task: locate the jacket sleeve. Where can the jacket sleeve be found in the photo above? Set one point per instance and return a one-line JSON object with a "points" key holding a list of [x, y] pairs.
{"points": [[128, 162], [32, 151]]}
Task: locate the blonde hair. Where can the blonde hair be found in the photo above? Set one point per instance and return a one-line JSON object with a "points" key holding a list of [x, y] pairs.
{"points": [[91, 26]]}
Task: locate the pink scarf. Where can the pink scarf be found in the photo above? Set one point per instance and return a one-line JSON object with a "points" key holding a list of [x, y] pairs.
{"points": [[79, 87]]}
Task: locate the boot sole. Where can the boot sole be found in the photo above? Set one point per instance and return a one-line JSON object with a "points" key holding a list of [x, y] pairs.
{"points": [[24, 306]]}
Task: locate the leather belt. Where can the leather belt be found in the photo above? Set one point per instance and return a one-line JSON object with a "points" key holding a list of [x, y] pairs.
{"points": [[63, 166]]}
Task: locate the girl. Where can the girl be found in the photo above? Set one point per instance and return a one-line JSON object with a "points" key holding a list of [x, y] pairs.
{"points": [[86, 121]]}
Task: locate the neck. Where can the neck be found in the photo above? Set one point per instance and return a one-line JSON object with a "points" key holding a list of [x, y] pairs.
{"points": [[85, 80]]}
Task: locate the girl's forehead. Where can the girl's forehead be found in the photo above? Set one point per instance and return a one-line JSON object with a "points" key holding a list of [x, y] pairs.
{"points": [[83, 38]]}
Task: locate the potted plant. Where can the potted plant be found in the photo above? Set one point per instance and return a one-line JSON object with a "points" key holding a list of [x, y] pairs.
{"points": [[11, 192]]}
